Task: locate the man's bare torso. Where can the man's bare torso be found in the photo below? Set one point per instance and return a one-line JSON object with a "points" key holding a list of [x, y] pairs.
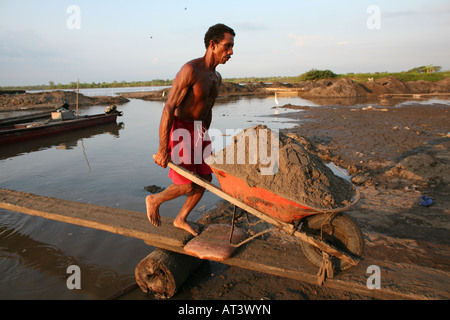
{"points": [[201, 94]]}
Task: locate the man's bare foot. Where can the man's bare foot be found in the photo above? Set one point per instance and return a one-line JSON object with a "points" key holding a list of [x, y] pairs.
{"points": [[152, 211], [182, 224]]}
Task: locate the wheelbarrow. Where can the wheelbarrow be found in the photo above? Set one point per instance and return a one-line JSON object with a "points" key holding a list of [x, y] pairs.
{"points": [[329, 239]]}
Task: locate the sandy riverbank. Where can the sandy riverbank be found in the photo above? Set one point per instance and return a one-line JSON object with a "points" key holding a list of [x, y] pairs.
{"points": [[53, 99]]}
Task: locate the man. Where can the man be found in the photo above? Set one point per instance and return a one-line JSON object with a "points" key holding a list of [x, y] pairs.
{"points": [[193, 93]]}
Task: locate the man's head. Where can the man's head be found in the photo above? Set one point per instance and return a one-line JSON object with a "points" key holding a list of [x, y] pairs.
{"points": [[220, 39], [217, 33]]}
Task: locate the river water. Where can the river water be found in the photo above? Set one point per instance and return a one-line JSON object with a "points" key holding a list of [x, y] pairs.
{"points": [[108, 165]]}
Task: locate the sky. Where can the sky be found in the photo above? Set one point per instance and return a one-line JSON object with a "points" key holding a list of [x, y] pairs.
{"points": [[136, 40]]}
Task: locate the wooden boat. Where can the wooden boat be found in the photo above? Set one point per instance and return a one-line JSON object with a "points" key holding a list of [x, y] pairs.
{"points": [[17, 132]]}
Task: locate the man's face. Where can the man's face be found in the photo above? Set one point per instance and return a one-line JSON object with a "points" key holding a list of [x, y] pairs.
{"points": [[224, 49]]}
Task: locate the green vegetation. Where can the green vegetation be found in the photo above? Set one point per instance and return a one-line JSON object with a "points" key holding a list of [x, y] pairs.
{"points": [[427, 73], [419, 73], [403, 76], [315, 74]]}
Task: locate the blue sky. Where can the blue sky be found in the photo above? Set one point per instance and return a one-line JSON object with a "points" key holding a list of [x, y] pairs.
{"points": [[42, 41]]}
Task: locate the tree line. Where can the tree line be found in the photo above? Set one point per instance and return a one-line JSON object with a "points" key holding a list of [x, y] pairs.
{"points": [[427, 73]]}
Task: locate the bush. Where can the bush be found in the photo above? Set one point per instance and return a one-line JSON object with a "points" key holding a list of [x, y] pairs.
{"points": [[315, 74]]}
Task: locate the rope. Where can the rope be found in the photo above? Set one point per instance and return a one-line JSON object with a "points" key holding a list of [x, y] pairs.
{"points": [[326, 269]]}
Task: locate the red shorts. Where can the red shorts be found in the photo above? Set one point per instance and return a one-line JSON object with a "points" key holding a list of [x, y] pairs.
{"points": [[188, 148]]}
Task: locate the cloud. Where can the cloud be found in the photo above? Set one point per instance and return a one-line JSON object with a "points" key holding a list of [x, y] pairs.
{"points": [[300, 40]]}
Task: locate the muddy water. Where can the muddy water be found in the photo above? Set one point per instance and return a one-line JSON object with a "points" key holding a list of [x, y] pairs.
{"points": [[108, 165]]}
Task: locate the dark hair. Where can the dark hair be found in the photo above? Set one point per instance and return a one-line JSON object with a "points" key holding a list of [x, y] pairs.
{"points": [[217, 33]]}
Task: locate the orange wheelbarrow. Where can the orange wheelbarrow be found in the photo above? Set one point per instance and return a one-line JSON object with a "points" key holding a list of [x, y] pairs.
{"points": [[329, 238]]}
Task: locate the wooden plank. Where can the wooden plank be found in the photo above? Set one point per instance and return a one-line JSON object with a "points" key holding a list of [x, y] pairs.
{"points": [[124, 222], [281, 259]]}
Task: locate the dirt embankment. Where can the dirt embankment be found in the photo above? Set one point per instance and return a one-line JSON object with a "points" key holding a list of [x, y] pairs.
{"points": [[52, 100], [227, 89], [347, 88], [318, 89]]}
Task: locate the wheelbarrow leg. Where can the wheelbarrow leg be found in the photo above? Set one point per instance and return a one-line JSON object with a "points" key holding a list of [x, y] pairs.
{"points": [[249, 238], [333, 229], [326, 269]]}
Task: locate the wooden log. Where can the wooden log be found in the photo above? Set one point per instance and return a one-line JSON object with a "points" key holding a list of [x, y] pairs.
{"points": [[163, 272]]}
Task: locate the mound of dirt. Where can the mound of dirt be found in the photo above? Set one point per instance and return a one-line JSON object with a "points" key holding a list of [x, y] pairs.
{"points": [[421, 86], [431, 168], [341, 88], [227, 89], [50, 100], [292, 172], [347, 88]]}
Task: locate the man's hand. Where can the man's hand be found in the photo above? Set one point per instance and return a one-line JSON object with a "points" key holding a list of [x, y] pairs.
{"points": [[162, 158]]}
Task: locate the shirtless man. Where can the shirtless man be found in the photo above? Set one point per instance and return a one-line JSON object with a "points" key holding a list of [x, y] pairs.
{"points": [[193, 93]]}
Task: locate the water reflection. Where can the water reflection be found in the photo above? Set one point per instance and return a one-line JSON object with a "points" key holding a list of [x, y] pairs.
{"points": [[66, 141], [21, 251]]}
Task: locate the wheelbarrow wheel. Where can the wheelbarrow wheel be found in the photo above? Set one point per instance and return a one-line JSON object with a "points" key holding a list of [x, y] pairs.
{"points": [[338, 230]]}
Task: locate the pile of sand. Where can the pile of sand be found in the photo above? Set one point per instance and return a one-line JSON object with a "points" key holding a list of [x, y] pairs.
{"points": [[292, 172], [54, 99], [347, 88], [431, 168]]}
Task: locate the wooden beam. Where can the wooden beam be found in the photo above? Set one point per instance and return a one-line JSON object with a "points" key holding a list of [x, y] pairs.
{"points": [[282, 258], [124, 222]]}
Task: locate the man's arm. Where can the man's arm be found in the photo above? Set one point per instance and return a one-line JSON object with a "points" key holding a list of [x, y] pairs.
{"points": [[208, 118], [183, 80]]}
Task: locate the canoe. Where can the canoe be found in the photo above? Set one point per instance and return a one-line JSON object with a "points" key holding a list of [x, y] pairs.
{"points": [[25, 131]]}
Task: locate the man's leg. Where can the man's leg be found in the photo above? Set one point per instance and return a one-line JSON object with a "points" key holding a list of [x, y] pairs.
{"points": [[153, 202], [191, 201]]}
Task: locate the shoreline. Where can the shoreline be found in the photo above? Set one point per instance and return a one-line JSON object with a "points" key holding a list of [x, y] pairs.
{"points": [[51, 100], [384, 91]]}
